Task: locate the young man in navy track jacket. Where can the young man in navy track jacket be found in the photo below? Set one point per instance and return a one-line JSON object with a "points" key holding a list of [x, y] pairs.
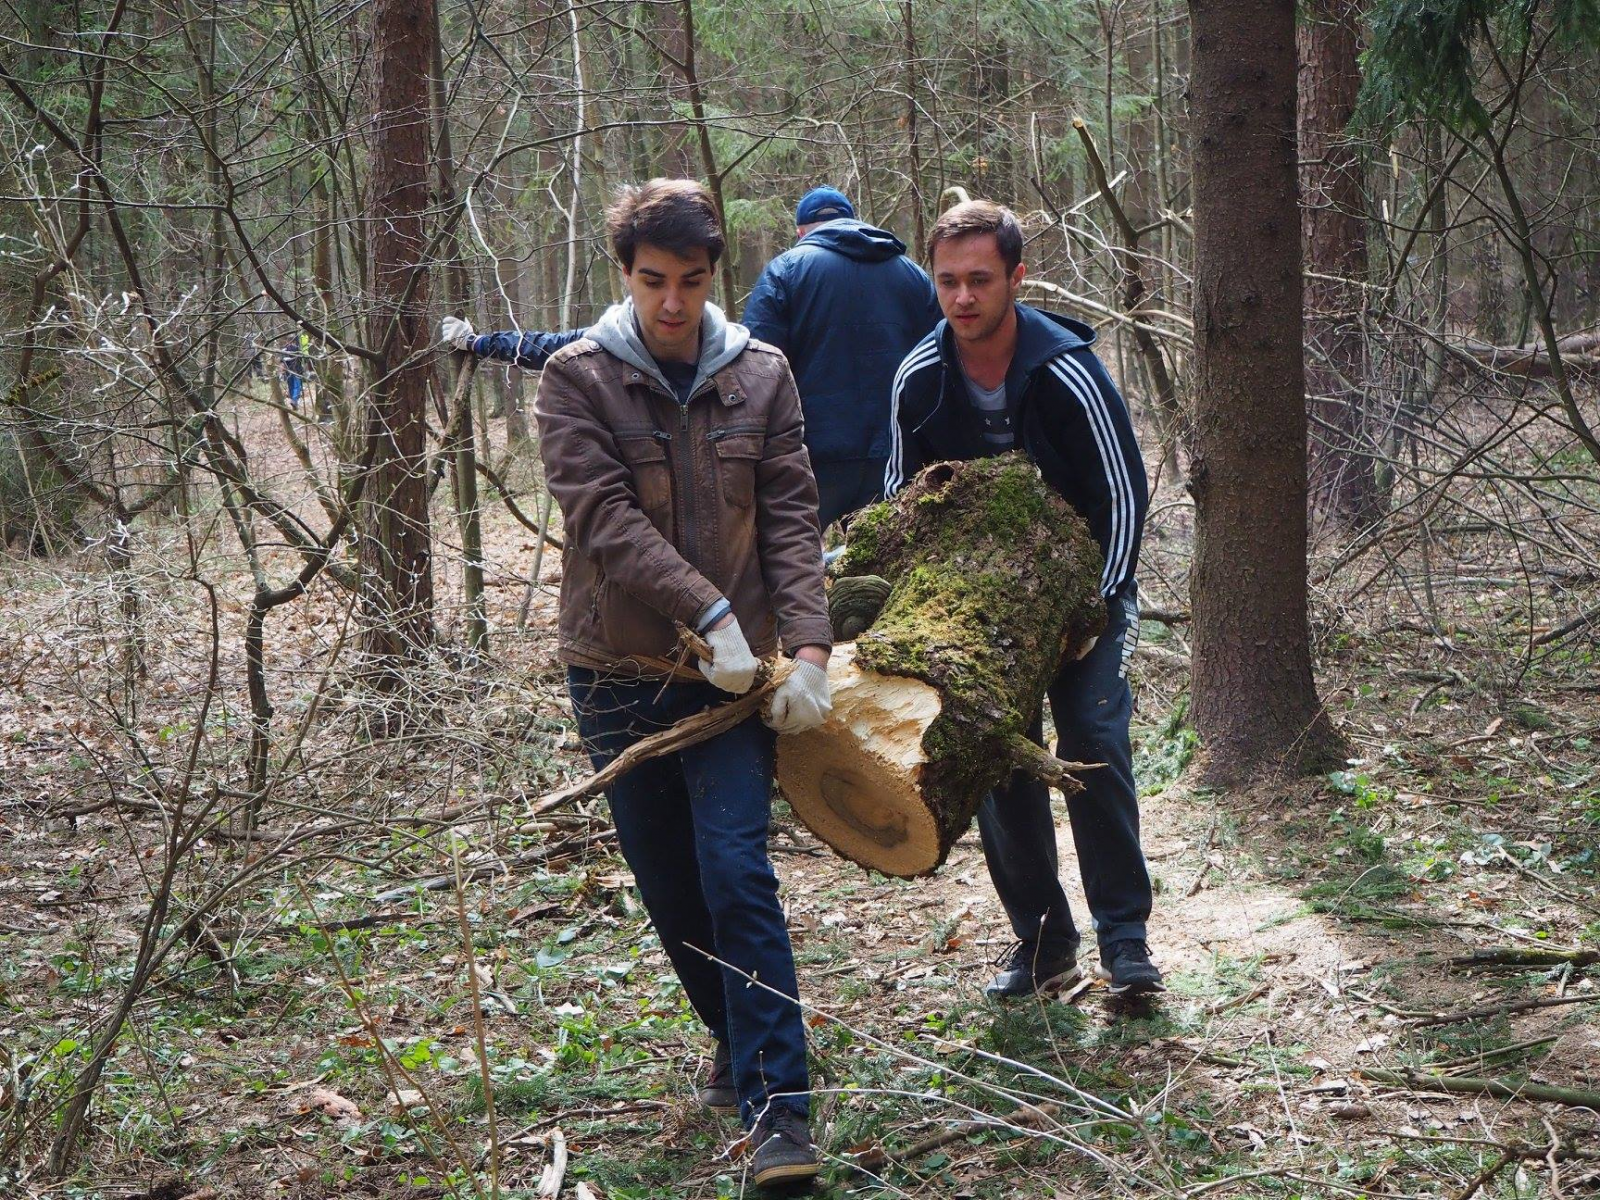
{"points": [[996, 376]]}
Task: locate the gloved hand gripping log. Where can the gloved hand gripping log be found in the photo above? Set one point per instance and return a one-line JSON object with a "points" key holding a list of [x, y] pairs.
{"points": [[787, 692]]}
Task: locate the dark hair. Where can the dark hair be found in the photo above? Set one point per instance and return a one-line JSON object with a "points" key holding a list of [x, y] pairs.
{"points": [[675, 214], [980, 216]]}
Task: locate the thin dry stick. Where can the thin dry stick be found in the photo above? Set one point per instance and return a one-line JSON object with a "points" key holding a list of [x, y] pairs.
{"points": [[1468, 1086], [1485, 1175], [387, 1059], [477, 1024], [1516, 956], [1495, 1010], [690, 731]]}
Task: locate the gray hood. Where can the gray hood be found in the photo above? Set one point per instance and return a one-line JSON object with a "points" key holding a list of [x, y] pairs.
{"points": [[721, 341]]}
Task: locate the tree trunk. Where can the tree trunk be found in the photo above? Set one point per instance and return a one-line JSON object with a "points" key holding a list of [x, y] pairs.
{"points": [[396, 556], [1334, 228], [708, 153], [1255, 702], [464, 450], [913, 146], [992, 579]]}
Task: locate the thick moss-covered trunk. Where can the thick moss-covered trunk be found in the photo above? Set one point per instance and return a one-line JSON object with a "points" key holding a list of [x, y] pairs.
{"points": [[993, 580]]}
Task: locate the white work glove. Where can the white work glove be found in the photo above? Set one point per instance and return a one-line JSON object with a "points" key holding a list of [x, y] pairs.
{"points": [[1087, 646], [732, 667], [458, 333], [802, 701]]}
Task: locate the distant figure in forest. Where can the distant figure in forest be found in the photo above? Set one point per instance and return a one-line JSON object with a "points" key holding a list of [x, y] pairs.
{"points": [[995, 376], [672, 442], [294, 371], [845, 304]]}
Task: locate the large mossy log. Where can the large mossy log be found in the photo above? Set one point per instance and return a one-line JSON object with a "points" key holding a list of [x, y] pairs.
{"points": [[992, 581]]}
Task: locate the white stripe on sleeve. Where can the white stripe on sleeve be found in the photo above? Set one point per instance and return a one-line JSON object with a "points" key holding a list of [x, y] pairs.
{"points": [[894, 475], [1120, 544]]}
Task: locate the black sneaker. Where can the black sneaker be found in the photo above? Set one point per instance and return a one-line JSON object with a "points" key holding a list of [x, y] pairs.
{"points": [[1127, 967], [1032, 969], [718, 1093], [783, 1151]]}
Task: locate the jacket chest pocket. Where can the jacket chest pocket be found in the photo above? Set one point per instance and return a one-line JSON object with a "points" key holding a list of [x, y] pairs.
{"points": [[646, 456], [737, 456]]}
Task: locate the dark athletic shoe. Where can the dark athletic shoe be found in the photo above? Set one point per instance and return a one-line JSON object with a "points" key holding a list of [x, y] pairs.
{"points": [[784, 1153], [718, 1093], [1127, 966], [1032, 969]]}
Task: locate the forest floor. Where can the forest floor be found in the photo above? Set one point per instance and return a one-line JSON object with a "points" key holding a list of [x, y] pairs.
{"points": [[313, 1032]]}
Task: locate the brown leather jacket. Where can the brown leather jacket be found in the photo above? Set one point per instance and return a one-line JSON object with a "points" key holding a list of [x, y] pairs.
{"points": [[668, 508]]}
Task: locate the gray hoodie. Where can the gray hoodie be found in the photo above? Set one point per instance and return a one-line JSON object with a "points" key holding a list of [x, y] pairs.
{"points": [[721, 341]]}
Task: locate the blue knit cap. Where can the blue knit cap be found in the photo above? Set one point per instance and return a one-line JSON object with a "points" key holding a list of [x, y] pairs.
{"points": [[823, 204]]}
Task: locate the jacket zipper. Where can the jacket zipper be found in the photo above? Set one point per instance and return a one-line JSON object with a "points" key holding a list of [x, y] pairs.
{"points": [[691, 505], [682, 460], [687, 489]]}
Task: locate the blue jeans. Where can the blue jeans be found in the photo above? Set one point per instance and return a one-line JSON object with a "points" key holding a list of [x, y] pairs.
{"points": [[1092, 706], [693, 828]]}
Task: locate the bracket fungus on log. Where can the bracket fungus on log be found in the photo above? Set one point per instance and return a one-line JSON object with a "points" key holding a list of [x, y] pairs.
{"points": [[992, 580]]}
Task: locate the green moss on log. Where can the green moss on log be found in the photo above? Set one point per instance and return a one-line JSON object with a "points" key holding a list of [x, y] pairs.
{"points": [[993, 578]]}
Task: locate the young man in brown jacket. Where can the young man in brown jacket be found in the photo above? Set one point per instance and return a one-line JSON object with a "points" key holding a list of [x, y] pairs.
{"points": [[672, 442]]}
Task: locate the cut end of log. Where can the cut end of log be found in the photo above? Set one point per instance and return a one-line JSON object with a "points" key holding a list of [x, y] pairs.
{"points": [[854, 781]]}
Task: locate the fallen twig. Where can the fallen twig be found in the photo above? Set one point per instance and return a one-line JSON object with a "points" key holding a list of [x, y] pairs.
{"points": [[1467, 1085], [1516, 956], [549, 854], [1494, 1010], [555, 1171]]}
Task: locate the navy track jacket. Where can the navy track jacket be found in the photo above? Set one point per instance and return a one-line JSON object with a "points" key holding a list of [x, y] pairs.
{"points": [[1068, 417], [844, 304]]}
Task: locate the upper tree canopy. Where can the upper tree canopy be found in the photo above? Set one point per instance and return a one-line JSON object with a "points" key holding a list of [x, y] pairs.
{"points": [[1421, 61]]}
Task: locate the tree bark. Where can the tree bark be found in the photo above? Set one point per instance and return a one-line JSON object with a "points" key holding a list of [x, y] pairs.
{"points": [[396, 552], [464, 450], [708, 153], [1334, 228], [913, 145], [1254, 699], [993, 579]]}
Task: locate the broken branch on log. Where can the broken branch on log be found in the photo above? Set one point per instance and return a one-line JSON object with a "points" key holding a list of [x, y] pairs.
{"points": [[1041, 764]]}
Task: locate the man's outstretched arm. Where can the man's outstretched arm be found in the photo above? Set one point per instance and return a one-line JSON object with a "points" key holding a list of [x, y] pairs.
{"points": [[528, 349]]}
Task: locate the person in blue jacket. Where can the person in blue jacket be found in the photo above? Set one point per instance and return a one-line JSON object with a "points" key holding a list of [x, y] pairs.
{"points": [[844, 304], [997, 376]]}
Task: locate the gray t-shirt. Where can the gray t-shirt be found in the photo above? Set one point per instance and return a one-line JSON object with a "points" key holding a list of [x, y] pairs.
{"points": [[991, 406]]}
